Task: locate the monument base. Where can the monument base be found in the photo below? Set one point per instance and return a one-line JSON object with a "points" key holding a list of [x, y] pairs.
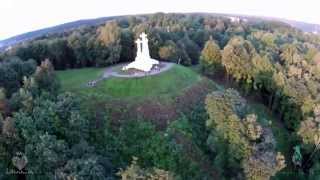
{"points": [[142, 62], [142, 65]]}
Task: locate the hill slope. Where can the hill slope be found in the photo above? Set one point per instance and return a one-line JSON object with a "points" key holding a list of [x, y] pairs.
{"points": [[158, 98]]}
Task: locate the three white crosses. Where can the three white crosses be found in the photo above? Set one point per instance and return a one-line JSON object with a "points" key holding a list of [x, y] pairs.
{"points": [[143, 61]]}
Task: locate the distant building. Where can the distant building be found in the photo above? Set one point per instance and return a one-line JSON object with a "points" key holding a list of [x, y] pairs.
{"points": [[244, 20], [8, 48], [234, 19], [316, 29]]}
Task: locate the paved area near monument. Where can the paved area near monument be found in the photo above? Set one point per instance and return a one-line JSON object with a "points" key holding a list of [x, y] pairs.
{"points": [[115, 71]]}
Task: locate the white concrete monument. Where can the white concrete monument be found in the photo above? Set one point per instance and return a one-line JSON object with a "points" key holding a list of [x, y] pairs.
{"points": [[143, 61]]}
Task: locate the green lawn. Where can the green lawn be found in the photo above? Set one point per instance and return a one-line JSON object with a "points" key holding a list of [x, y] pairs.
{"points": [[75, 79], [170, 82]]}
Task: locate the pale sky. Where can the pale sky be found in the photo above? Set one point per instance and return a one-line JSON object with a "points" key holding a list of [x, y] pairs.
{"points": [[19, 16]]}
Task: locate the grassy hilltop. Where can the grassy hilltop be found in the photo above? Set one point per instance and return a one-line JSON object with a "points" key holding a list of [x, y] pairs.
{"points": [[170, 82]]}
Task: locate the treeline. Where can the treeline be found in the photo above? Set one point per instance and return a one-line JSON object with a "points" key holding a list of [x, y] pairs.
{"points": [[240, 145], [172, 37], [281, 66], [12, 72], [45, 129]]}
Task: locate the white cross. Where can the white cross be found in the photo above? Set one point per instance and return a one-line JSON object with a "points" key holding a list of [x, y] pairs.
{"points": [[143, 36]]}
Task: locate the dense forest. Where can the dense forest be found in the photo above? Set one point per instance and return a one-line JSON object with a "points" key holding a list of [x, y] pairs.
{"points": [[264, 61]]}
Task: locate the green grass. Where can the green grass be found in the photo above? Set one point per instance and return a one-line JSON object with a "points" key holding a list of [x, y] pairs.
{"points": [[75, 79], [170, 83]]}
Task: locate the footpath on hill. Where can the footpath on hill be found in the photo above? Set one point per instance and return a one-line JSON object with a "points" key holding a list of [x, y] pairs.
{"points": [[115, 71]]}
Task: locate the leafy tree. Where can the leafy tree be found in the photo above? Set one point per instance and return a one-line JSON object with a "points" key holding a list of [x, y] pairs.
{"points": [[9, 79], [46, 78], [236, 58], [290, 54], [78, 44], [314, 172], [311, 53], [159, 150], [23, 68], [127, 44], [240, 143], [13, 70], [169, 51], [54, 134], [86, 164], [134, 171], [226, 127], [191, 48], [59, 51], [4, 105], [269, 39], [210, 59], [200, 37], [110, 37], [253, 129], [45, 154], [24, 97], [316, 58], [37, 50], [110, 33], [60, 118], [262, 168]]}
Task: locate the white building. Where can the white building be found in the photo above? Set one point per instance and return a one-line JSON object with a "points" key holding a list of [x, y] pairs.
{"points": [[234, 19]]}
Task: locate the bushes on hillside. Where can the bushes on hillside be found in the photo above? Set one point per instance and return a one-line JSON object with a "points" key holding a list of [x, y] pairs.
{"points": [[12, 72], [238, 140]]}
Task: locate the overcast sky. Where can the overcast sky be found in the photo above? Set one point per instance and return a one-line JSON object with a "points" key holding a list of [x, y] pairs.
{"points": [[19, 16]]}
